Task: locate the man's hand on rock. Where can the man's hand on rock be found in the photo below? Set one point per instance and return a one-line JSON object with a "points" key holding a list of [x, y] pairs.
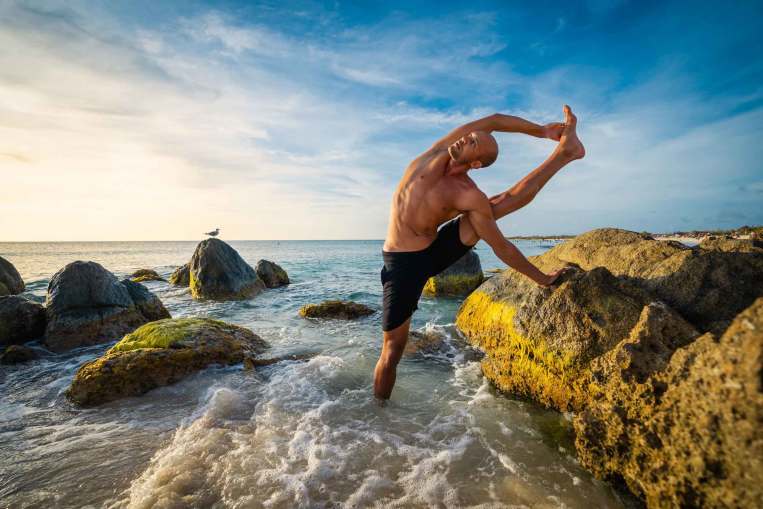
{"points": [[551, 278], [553, 131]]}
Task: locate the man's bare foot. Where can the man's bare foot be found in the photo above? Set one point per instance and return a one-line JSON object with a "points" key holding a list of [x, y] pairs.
{"points": [[569, 143]]}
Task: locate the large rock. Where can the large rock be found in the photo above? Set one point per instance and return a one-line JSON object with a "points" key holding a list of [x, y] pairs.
{"points": [[142, 275], [181, 276], [709, 285], [339, 309], [218, 272], [161, 353], [86, 304], [459, 279], [10, 279], [271, 274], [683, 427], [20, 320]]}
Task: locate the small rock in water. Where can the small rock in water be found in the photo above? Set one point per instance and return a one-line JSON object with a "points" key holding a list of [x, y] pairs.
{"points": [[20, 320], [141, 275], [271, 274], [341, 309], [10, 279], [16, 354], [181, 276], [218, 272]]}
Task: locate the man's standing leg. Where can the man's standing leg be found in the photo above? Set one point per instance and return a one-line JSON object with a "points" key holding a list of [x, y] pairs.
{"points": [[386, 368]]}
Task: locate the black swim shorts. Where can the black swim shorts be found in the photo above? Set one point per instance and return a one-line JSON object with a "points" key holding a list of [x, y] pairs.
{"points": [[405, 273]]}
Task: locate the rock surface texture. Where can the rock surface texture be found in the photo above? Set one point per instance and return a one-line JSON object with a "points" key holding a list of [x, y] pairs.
{"points": [[21, 320], [141, 275], [10, 279], [181, 276], [341, 309], [86, 304], [458, 280], [636, 339], [161, 353], [271, 274], [17, 354], [218, 272]]}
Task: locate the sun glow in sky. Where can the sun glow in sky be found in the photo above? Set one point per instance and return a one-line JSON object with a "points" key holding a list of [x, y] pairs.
{"points": [[294, 120]]}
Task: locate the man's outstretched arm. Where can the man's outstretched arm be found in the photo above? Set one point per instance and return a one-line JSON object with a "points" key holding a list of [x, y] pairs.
{"points": [[505, 124]]}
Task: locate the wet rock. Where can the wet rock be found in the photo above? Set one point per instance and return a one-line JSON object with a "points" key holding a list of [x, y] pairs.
{"points": [[218, 272], [146, 302], [161, 353], [181, 276], [10, 279], [682, 430], [258, 362], [341, 309], [271, 274], [17, 354], [142, 275], [20, 320], [459, 279], [86, 304], [426, 341]]}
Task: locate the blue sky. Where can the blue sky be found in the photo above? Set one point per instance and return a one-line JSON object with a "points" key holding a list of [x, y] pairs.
{"points": [[148, 120]]}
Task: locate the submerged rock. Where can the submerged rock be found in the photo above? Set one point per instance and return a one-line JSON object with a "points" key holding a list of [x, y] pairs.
{"points": [[86, 304], [10, 279], [682, 430], [218, 272], [426, 341], [161, 353], [181, 276], [341, 309], [141, 275], [459, 279], [17, 354], [20, 320], [271, 274]]}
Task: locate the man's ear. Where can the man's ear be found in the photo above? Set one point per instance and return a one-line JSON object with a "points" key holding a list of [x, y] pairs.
{"points": [[476, 164]]}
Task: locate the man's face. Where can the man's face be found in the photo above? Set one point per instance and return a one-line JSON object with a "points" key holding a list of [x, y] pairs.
{"points": [[471, 148]]}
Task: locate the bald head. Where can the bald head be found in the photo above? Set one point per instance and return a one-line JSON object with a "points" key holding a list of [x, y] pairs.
{"points": [[477, 149]]}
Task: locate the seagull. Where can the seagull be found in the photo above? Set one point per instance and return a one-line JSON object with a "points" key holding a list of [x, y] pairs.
{"points": [[214, 233]]}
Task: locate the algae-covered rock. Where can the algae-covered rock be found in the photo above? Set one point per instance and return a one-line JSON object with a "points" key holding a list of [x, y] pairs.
{"points": [[682, 430], [271, 274], [540, 341], [142, 275], [17, 354], [20, 320], [459, 279], [218, 272], [161, 353], [181, 276], [86, 304], [730, 244], [341, 309], [10, 279], [425, 341]]}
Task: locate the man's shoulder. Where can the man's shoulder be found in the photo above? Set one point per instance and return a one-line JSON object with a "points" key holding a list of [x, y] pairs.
{"points": [[469, 196]]}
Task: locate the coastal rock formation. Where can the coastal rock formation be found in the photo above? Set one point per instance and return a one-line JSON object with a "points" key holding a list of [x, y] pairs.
{"points": [[181, 276], [426, 341], [271, 274], [730, 244], [86, 304], [20, 320], [17, 354], [141, 275], [684, 431], [341, 309], [218, 272], [10, 279], [619, 339], [459, 279], [161, 353]]}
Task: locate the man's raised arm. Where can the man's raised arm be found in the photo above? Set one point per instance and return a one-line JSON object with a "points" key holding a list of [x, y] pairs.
{"points": [[505, 124], [480, 214]]}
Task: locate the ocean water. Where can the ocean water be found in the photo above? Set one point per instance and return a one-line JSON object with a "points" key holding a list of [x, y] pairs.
{"points": [[293, 434]]}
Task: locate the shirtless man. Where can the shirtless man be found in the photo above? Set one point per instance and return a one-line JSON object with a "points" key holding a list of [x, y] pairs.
{"points": [[436, 188]]}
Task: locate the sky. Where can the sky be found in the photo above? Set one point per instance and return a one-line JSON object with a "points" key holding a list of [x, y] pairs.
{"points": [[148, 120]]}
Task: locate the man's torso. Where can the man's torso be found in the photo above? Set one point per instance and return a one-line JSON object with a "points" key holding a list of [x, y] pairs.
{"points": [[423, 200]]}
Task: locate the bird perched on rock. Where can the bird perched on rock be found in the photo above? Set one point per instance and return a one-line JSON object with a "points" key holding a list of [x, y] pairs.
{"points": [[214, 233]]}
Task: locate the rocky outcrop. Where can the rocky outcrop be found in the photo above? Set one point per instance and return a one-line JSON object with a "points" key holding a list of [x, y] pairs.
{"points": [[218, 272], [271, 274], [142, 275], [86, 304], [682, 430], [619, 339], [10, 279], [181, 276], [459, 279], [161, 353], [730, 244], [339, 309], [17, 354], [21, 320]]}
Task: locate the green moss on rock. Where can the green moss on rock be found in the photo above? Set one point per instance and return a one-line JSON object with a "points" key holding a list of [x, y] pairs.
{"points": [[142, 275], [343, 310]]}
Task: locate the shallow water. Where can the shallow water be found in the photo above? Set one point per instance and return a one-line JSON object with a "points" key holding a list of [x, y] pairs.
{"points": [[293, 434]]}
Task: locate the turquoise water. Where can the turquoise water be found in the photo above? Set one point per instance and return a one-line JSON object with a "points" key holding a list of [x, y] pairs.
{"points": [[304, 434]]}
